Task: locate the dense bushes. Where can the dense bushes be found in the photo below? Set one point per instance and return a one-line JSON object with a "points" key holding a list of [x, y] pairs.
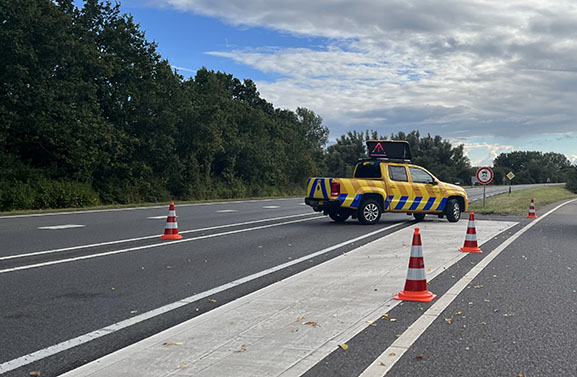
{"points": [[89, 112]]}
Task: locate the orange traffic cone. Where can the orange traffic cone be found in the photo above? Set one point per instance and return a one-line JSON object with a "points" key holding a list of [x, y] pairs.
{"points": [[470, 245], [171, 229], [416, 283], [532, 214]]}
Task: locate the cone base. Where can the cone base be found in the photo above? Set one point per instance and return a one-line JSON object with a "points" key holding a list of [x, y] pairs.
{"points": [[470, 250], [171, 236], [531, 216], [419, 296]]}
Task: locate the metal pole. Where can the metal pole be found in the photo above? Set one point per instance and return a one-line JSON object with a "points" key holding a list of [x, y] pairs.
{"points": [[484, 195]]}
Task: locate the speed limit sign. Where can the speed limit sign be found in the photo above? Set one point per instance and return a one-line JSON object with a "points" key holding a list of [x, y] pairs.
{"points": [[485, 175]]}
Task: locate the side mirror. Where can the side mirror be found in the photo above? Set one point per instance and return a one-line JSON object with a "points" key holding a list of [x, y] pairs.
{"points": [[434, 183]]}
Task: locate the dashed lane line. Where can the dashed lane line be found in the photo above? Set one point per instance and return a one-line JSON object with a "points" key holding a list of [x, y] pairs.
{"points": [[60, 227], [36, 253], [138, 248]]}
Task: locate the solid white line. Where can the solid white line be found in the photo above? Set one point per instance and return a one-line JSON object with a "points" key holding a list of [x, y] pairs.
{"points": [[271, 207], [226, 211], [52, 350], [44, 264], [383, 364], [59, 227], [138, 208], [150, 237], [156, 217]]}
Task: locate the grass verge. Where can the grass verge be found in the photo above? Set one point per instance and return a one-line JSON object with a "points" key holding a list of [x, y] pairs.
{"points": [[518, 202]]}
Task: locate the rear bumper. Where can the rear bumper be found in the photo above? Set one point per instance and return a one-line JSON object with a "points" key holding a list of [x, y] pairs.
{"points": [[323, 204]]}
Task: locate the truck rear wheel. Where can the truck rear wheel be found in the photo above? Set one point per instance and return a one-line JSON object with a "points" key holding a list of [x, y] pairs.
{"points": [[369, 212], [453, 210], [339, 216]]}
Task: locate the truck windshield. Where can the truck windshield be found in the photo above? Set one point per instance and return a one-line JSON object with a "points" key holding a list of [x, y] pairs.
{"points": [[368, 170]]}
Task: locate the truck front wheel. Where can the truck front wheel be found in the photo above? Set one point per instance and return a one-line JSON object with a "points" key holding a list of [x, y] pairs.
{"points": [[369, 212], [453, 210]]}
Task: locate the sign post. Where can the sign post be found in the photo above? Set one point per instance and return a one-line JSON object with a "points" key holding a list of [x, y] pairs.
{"points": [[484, 176], [510, 175]]}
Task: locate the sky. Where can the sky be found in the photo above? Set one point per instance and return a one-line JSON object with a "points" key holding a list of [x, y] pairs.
{"points": [[496, 76]]}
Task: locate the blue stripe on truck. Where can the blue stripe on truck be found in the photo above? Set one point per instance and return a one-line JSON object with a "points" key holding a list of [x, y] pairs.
{"points": [[416, 203], [430, 203], [355, 203], [312, 193], [442, 205], [325, 195], [402, 202]]}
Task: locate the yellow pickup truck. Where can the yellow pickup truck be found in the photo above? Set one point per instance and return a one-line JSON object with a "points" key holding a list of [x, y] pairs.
{"points": [[386, 182]]}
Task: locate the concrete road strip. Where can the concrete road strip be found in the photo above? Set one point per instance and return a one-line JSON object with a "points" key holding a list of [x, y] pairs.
{"points": [[52, 350], [60, 227], [286, 328]]}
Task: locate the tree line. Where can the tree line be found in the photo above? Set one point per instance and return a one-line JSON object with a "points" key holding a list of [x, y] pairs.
{"points": [[90, 114]]}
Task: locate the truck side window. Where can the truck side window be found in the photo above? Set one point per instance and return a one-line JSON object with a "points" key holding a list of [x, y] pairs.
{"points": [[368, 170], [398, 173], [421, 176]]}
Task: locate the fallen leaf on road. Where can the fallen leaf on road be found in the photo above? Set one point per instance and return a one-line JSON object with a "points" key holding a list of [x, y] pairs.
{"points": [[35, 373], [483, 323], [420, 357], [487, 300], [385, 316], [459, 313], [478, 286], [392, 354], [182, 366], [393, 320], [344, 346], [241, 349], [449, 320], [383, 364], [301, 318], [313, 323], [211, 300], [133, 311]]}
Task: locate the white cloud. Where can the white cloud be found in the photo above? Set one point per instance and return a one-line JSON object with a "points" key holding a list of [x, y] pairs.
{"points": [[458, 68]]}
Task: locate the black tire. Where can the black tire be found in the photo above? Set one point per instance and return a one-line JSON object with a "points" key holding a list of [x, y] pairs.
{"points": [[419, 216], [453, 210], [369, 212], [339, 216]]}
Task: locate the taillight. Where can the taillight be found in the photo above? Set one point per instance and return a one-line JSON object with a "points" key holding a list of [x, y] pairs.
{"points": [[335, 188]]}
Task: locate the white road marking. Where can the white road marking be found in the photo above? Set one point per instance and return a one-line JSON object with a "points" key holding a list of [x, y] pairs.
{"points": [[383, 364], [52, 350], [226, 211], [122, 251], [270, 207], [80, 211], [148, 237], [59, 227], [156, 217]]}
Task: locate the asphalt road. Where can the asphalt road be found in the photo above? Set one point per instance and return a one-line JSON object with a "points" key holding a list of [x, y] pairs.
{"points": [[516, 318], [66, 275]]}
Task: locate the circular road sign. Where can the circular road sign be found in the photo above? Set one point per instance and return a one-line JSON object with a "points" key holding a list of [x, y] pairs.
{"points": [[485, 175]]}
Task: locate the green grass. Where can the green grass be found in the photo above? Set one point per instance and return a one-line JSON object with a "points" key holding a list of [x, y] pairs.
{"points": [[518, 202]]}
